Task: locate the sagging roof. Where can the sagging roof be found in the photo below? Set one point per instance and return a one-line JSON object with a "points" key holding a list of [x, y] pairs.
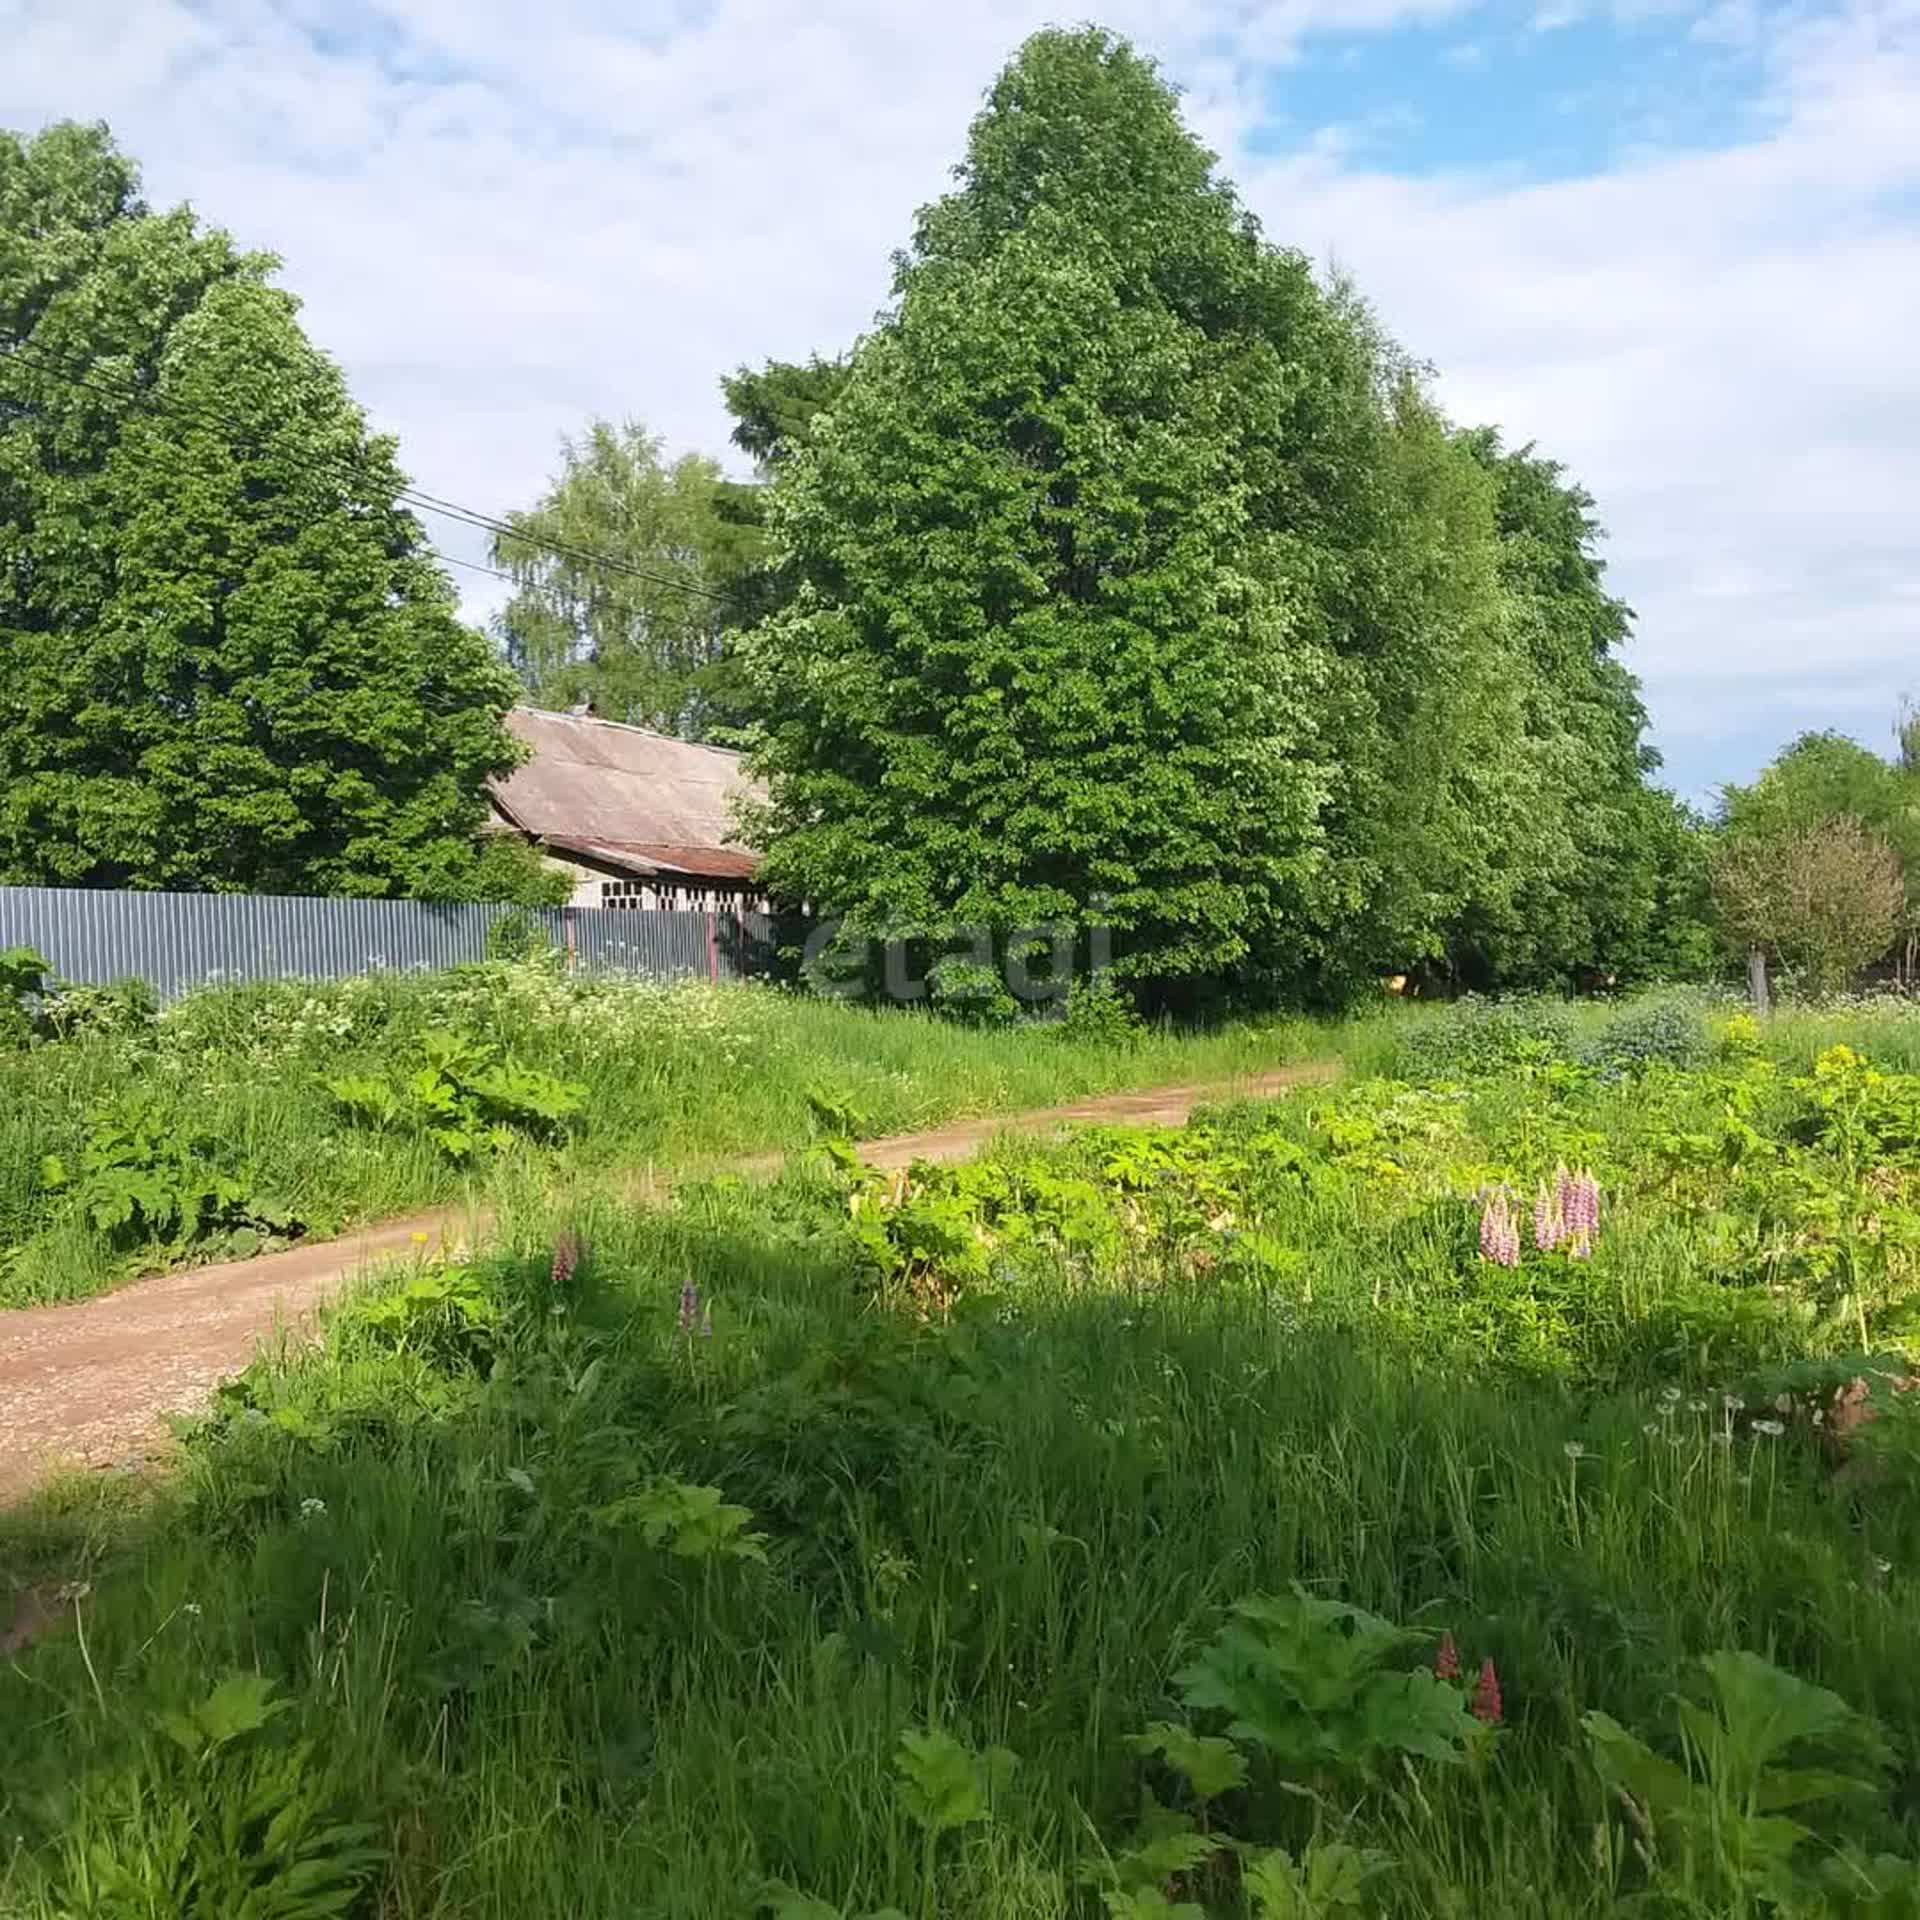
{"points": [[626, 797]]}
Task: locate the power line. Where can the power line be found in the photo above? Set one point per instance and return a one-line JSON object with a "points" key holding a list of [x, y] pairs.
{"points": [[338, 465]]}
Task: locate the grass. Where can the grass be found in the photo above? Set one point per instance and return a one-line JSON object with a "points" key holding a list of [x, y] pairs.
{"points": [[674, 1076], [992, 1454]]}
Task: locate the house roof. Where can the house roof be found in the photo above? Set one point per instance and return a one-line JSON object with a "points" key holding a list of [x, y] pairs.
{"points": [[626, 796]]}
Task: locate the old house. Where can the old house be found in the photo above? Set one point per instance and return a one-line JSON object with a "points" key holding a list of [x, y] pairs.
{"points": [[638, 818]]}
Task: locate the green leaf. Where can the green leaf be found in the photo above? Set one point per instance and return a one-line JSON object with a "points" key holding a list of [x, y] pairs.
{"points": [[1209, 1765], [942, 1784]]}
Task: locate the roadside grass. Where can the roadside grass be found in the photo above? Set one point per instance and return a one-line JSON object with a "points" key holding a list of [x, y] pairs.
{"points": [[670, 1077], [528, 1594]]}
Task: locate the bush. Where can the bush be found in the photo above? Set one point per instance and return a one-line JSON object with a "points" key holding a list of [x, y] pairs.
{"points": [[1476, 1036], [1671, 1031], [1101, 1013]]}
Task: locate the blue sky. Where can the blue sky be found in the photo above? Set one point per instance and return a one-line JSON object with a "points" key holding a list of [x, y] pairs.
{"points": [[1676, 243]]}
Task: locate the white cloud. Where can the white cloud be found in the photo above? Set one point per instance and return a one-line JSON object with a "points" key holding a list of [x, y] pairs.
{"points": [[505, 218]]}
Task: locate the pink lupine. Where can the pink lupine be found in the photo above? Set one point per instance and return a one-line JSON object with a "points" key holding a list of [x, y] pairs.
{"points": [[1486, 1704], [1446, 1662], [1499, 1232], [567, 1251], [1580, 1209], [1549, 1218], [689, 1308]]}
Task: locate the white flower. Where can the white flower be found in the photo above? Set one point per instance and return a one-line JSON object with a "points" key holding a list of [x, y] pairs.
{"points": [[72, 1592], [1696, 1406], [1732, 1402], [191, 1607], [1769, 1426], [1652, 1427], [1575, 1450], [1670, 1394], [312, 1508]]}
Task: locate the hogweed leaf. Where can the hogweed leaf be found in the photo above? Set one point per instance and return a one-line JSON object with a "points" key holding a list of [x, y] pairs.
{"points": [[1209, 1765], [940, 1780]]}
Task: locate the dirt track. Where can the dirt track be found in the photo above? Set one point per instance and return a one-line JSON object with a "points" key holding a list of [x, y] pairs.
{"points": [[86, 1384]]}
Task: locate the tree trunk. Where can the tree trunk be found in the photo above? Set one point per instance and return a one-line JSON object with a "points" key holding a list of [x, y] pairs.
{"points": [[1757, 981]]}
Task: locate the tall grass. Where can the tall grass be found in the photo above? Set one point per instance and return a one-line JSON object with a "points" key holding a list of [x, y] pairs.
{"points": [[1014, 1520], [674, 1076]]}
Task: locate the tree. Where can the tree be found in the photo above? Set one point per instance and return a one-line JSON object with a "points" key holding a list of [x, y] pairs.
{"points": [[1827, 897], [647, 639], [1823, 791], [227, 659], [1041, 665], [774, 406]]}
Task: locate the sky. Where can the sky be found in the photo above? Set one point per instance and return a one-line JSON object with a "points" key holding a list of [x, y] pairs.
{"points": [[1674, 243]]}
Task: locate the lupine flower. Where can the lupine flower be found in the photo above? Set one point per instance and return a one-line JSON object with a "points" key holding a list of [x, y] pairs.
{"points": [[1446, 1663], [1549, 1221], [1578, 1198], [1485, 1705], [689, 1308], [567, 1252], [1499, 1232]]}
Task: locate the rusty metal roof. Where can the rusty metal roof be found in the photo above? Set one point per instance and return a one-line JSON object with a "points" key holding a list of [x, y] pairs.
{"points": [[649, 801]]}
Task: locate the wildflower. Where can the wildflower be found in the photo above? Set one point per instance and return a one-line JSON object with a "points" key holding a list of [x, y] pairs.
{"points": [[1882, 1567], [1732, 1402], [1696, 1405], [1485, 1705], [1446, 1662], [1549, 1220], [1770, 1427], [1499, 1234], [1670, 1395], [706, 1321], [1650, 1428], [418, 1239], [1575, 1450], [689, 1307], [311, 1508], [191, 1608], [567, 1252], [72, 1593]]}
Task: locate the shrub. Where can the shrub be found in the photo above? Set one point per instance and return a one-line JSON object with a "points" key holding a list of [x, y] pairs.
{"points": [[1476, 1036], [1670, 1031], [1101, 1013]]}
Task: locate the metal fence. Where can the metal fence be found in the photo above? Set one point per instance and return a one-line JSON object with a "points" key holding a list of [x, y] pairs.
{"points": [[178, 941]]}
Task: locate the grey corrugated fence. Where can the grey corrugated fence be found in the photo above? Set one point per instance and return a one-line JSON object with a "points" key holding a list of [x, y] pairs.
{"points": [[178, 941]]}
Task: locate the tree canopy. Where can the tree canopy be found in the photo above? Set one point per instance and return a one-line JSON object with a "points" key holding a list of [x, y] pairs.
{"points": [[227, 659], [1136, 580], [645, 639]]}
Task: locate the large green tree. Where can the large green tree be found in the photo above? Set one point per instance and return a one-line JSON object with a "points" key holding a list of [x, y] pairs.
{"points": [[1604, 876], [227, 659], [1138, 580], [647, 638]]}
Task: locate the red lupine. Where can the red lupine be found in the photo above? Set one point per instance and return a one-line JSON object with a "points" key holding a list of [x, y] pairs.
{"points": [[1485, 1704], [1446, 1663]]}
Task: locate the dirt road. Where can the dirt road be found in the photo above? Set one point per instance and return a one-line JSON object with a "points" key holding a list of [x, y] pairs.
{"points": [[86, 1384]]}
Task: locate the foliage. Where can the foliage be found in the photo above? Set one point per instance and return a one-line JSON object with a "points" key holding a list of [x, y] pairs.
{"points": [[1100, 1011], [259, 682], [1306, 1681], [678, 1071], [147, 1175], [1222, 1468], [644, 641], [465, 1096], [1474, 1035], [1137, 582], [1719, 1825], [775, 406], [23, 978]]}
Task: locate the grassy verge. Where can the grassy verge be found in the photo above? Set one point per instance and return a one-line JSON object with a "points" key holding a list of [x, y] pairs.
{"points": [[529, 1594], [229, 1087]]}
